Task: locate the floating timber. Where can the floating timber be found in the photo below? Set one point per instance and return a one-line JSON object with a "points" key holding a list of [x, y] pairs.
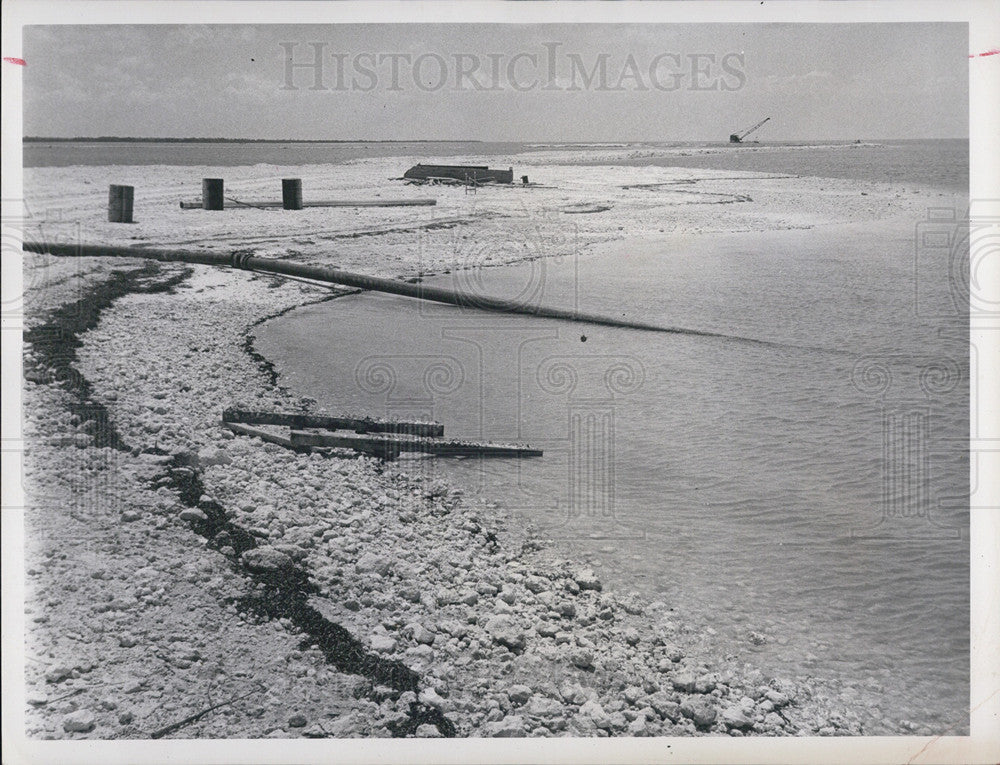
{"points": [[298, 421], [327, 203], [465, 173], [263, 435], [380, 438], [383, 444]]}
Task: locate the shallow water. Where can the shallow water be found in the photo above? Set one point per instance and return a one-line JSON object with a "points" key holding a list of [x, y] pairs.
{"points": [[238, 153], [811, 490], [943, 162]]}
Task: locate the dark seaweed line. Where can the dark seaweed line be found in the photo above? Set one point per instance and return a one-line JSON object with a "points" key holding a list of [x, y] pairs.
{"points": [[54, 344], [284, 594]]}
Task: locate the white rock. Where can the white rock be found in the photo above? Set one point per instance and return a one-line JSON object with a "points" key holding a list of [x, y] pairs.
{"points": [[192, 514], [382, 644], [699, 710], [595, 712], [774, 720], [80, 721], [511, 726], [536, 584], [633, 693], [683, 681], [58, 673], [505, 631], [519, 694], [540, 706], [574, 694], [370, 562], [777, 698], [292, 551], [421, 634], [638, 727], [211, 456], [265, 559], [546, 629], [735, 716], [454, 628], [430, 697], [587, 580]]}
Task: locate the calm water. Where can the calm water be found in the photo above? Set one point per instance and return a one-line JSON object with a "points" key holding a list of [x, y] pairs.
{"points": [[939, 163], [99, 153], [943, 163], [811, 490]]}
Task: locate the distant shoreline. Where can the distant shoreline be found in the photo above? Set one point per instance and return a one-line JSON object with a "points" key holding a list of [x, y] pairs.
{"points": [[789, 142], [127, 139]]}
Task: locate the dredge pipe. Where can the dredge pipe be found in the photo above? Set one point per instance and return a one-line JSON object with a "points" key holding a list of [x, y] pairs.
{"points": [[349, 279]]}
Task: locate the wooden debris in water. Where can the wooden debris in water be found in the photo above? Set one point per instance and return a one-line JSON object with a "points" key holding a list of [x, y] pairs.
{"points": [[382, 438], [298, 421], [402, 443]]}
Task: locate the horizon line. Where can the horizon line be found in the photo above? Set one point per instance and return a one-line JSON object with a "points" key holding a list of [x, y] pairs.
{"points": [[217, 139]]}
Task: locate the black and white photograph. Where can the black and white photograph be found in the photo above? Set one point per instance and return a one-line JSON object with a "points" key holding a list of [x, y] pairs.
{"points": [[620, 377]]}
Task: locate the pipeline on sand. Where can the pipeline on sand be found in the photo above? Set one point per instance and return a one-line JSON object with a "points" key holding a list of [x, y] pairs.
{"points": [[360, 281]]}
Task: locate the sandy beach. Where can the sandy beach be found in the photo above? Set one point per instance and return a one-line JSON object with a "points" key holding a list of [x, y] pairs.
{"points": [[185, 582]]}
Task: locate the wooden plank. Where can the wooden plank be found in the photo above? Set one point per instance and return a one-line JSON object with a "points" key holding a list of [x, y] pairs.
{"points": [[246, 430], [298, 421], [402, 443], [422, 202]]}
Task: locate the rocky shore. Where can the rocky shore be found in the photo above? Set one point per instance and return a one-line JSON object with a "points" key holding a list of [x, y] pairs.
{"points": [[185, 582]]}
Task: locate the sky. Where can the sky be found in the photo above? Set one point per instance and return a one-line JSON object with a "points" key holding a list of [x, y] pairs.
{"points": [[499, 82]]}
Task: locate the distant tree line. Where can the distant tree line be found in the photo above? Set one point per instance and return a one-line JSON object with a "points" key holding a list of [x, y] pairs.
{"points": [[133, 139]]}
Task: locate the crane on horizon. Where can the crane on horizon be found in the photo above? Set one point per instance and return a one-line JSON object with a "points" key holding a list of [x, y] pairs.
{"points": [[738, 137]]}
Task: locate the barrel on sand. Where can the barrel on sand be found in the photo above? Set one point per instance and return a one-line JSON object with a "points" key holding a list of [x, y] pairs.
{"points": [[120, 200]]}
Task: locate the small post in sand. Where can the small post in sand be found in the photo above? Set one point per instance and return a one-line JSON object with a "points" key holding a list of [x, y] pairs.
{"points": [[291, 193], [120, 203], [212, 194]]}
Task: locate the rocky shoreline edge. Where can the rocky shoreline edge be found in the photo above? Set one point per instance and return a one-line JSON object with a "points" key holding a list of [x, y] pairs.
{"points": [[183, 582]]}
